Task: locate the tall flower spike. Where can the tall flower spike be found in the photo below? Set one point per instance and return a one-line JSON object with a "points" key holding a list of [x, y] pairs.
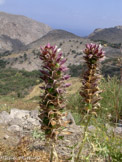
{"points": [[90, 91], [52, 100]]}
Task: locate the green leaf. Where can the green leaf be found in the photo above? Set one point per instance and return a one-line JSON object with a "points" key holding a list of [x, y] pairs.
{"points": [[61, 137]]}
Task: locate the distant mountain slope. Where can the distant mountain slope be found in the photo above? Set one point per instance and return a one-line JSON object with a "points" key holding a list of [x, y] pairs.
{"points": [[111, 35], [9, 44], [72, 47], [53, 36], [22, 28], [28, 57]]}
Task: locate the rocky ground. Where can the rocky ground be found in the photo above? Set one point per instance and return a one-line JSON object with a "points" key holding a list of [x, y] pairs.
{"points": [[18, 124]]}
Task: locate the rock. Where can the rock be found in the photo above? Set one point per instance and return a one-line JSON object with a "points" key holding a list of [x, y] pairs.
{"points": [[5, 117], [110, 129], [33, 121], [16, 113], [17, 121], [74, 129], [20, 120], [69, 118], [120, 121], [119, 124], [27, 127], [6, 136], [15, 128], [34, 114], [118, 130], [91, 128]]}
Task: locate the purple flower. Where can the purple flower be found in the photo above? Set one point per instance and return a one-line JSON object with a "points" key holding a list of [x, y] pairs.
{"points": [[94, 51], [52, 100], [44, 72], [60, 91], [65, 77], [43, 87], [63, 61], [48, 46], [58, 57], [67, 85], [90, 91], [63, 68]]}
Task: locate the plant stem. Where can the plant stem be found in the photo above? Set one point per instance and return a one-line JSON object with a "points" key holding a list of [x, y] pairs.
{"points": [[84, 138], [53, 153]]}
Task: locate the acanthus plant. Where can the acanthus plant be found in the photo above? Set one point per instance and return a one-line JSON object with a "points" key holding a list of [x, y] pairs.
{"points": [[90, 90], [52, 102]]}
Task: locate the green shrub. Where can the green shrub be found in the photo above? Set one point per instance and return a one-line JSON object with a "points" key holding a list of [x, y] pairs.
{"points": [[75, 70], [111, 103], [19, 82], [3, 63]]}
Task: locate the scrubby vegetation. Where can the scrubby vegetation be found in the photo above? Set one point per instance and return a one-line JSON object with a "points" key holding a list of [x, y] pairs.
{"points": [[109, 67], [6, 53], [111, 103], [17, 82], [113, 45], [3, 64], [75, 70], [103, 144]]}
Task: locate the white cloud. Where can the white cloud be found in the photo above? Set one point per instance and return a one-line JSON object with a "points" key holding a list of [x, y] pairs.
{"points": [[2, 2]]}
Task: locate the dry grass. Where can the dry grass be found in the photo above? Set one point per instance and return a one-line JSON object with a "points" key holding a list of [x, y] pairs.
{"points": [[6, 103], [70, 90], [75, 85], [22, 152], [29, 103]]}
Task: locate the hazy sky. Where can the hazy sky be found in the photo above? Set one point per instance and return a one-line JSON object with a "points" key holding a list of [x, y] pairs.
{"points": [[78, 16]]}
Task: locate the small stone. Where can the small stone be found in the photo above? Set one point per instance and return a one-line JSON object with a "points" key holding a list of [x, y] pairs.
{"points": [[91, 128], [69, 118], [110, 129], [118, 130], [15, 128], [34, 114], [6, 136]]}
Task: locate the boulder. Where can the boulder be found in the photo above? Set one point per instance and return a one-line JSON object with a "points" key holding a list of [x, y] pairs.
{"points": [[16, 113], [5, 117]]}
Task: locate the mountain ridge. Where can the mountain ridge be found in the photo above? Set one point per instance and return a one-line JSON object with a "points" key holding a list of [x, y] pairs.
{"points": [[21, 28], [110, 35]]}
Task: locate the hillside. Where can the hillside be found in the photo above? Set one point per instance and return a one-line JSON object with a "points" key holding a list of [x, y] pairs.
{"points": [[53, 36], [111, 35], [20, 44], [7, 43], [28, 57], [21, 28], [24, 63], [72, 47]]}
